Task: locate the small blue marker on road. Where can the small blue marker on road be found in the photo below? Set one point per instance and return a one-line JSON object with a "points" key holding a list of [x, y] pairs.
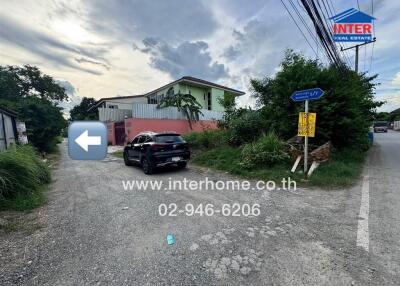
{"points": [[170, 239]]}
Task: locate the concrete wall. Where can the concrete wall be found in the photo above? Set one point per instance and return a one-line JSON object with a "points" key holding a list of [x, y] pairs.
{"points": [[216, 95], [134, 126], [200, 93], [396, 125]]}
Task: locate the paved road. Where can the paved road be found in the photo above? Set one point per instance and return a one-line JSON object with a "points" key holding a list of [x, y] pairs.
{"points": [[96, 233]]}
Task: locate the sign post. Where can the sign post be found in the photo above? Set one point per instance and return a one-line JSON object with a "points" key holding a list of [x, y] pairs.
{"points": [[306, 95], [306, 141]]}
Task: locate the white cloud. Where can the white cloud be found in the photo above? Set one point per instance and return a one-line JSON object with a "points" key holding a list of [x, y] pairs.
{"points": [[89, 44]]}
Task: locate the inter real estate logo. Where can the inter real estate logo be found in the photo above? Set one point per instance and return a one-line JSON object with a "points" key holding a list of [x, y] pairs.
{"points": [[352, 26]]}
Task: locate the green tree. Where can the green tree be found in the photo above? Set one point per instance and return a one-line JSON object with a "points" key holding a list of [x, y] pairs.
{"points": [[80, 111], [185, 103], [33, 96], [18, 82], [344, 113]]}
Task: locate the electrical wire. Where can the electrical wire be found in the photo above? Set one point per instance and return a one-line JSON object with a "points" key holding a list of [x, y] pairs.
{"points": [[330, 27], [305, 25], [323, 34], [298, 27]]}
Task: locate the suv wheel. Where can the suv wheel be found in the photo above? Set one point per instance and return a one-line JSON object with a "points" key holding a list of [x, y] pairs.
{"points": [[147, 167], [126, 160], [182, 165]]}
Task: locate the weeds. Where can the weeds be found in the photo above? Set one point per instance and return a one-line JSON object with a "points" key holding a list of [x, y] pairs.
{"points": [[22, 178]]}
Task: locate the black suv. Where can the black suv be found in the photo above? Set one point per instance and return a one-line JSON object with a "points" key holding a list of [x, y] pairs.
{"points": [[153, 150]]}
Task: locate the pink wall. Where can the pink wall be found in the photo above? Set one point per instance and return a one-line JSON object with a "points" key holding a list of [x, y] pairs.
{"points": [[111, 133], [133, 126]]}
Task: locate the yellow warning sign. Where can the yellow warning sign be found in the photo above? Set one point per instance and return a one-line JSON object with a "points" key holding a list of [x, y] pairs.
{"points": [[305, 129]]}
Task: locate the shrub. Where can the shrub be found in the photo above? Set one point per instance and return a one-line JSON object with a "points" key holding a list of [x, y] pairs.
{"points": [[21, 172], [207, 138], [247, 127], [344, 113], [267, 150]]}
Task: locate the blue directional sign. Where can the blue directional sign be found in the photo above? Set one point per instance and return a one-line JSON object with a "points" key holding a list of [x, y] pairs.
{"points": [[87, 140], [307, 94]]}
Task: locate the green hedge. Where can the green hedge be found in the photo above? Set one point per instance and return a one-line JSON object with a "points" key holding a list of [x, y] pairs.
{"points": [[21, 172]]}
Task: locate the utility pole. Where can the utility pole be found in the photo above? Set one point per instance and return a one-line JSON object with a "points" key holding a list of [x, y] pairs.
{"points": [[356, 47]]}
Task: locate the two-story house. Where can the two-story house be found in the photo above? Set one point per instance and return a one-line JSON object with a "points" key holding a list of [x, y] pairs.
{"points": [[126, 116], [206, 93]]}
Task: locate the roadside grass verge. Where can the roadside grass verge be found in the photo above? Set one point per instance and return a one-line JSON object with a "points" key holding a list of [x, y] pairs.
{"points": [[118, 154], [343, 169], [25, 202], [23, 179]]}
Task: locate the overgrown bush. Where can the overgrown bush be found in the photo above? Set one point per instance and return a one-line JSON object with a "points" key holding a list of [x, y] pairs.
{"points": [[21, 172], [267, 150], [344, 113], [247, 127], [207, 138]]}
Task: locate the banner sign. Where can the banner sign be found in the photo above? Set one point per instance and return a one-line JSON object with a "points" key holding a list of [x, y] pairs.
{"points": [[306, 125], [352, 26]]}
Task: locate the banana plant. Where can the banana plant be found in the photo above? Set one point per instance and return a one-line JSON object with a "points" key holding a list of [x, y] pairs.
{"points": [[185, 103]]}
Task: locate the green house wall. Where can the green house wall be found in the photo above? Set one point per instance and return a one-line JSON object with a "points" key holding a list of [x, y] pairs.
{"points": [[200, 93]]}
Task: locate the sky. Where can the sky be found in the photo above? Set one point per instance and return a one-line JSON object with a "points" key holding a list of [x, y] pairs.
{"points": [[108, 48]]}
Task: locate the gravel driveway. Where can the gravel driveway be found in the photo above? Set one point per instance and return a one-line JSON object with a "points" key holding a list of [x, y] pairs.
{"points": [[93, 232]]}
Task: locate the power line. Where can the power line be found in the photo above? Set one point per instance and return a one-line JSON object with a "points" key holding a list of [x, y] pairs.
{"points": [[330, 4], [330, 27], [305, 24], [323, 34], [299, 28]]}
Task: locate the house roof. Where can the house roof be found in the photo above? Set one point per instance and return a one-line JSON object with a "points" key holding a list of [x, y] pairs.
{"points": [[352, 16], [190, 79], [101, 100], [395, 111], [185, 79], [8, 112]]}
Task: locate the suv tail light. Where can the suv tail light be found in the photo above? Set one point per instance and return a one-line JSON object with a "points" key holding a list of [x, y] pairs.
{"points": [[157, 147]]}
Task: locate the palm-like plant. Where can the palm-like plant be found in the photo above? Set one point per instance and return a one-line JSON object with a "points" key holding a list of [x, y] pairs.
{"points": [[185, 103]]}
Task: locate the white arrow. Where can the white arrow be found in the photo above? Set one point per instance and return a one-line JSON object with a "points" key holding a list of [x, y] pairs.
{"points": [[84, 140]]}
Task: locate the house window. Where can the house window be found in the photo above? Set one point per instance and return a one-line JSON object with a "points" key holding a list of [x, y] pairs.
{"points": [[209, 101], [152, 99], [113, 106]]}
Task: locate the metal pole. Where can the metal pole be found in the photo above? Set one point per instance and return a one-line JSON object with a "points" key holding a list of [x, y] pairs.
{"points": [[357, 46], [356, 64], [306, 141]]}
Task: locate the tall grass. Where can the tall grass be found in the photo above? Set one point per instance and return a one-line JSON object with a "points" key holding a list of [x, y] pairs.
{"points": [[207, 138], [341, 171], [268, 150], [22, 174]]}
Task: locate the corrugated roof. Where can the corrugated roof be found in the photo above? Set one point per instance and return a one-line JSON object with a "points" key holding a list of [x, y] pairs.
{"points": [[188, 79], [198, 81], [112, 98], [8, 112]]}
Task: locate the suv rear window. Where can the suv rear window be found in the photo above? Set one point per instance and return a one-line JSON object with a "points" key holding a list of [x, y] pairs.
{"points": [[380, 124], [168, 138]]}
